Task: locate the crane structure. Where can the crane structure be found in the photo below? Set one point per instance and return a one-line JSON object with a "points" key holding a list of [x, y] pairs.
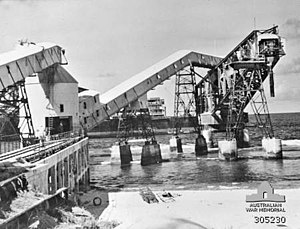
{"points": [[236, 81], [15, 66], [135, 123], [185, 101]]}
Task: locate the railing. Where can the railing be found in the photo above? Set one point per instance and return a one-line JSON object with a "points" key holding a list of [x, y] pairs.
{"points": [[42, 152], [45, 147], [64, 135]]}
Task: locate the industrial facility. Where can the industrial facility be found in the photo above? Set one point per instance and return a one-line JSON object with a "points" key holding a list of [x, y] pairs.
{"points": [[51, 141]]}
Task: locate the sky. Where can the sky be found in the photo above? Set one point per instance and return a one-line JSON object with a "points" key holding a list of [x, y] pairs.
{"points": [[107, 41]]}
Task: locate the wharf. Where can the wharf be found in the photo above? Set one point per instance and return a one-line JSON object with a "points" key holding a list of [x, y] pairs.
{"points": [[55, 171]]}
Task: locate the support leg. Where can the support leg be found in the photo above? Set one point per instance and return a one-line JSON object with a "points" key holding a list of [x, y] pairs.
{"points": [[228, 150]]}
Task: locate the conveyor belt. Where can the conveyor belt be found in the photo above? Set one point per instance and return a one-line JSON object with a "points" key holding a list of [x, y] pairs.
{"points": [[135, 87], [18, 64]]}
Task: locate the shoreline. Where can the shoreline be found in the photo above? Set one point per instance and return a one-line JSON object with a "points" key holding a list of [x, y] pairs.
{"points": [[194, 209], [127, 208]]}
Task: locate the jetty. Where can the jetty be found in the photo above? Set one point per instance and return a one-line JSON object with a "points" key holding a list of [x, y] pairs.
{"points": [[46, 150]]}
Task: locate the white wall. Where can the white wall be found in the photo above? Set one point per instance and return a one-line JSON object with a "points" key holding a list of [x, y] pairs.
{"points": [[90, 112], [60, 93], [66, 94], [37, 102]]}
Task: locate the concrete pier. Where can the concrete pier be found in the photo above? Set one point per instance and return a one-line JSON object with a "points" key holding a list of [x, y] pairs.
{"points": [[176, 144], [151, 153], [173, 144], [125, 154], [179, 144], [243, 138], [207, 134], [200, 146], [273, 147], [228, 150]]}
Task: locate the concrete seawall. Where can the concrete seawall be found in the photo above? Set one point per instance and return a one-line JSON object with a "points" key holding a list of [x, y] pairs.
{"points": [[66, 168], [62, 173]]}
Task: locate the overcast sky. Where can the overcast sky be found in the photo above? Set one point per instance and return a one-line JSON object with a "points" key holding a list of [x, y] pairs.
{"points": [[108, 41]]}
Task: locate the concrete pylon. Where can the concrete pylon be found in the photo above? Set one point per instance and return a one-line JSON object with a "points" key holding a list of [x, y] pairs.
{"points": [[272, 147], [207, 134], [125, 154], [228, 150], [176, 144], [173, 144], [151, 153], [243, 138], [200, 146], [179, 145]]}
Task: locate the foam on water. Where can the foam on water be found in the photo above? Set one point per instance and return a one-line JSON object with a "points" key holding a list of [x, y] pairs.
{"points": [[292, 142], [208, 172]]}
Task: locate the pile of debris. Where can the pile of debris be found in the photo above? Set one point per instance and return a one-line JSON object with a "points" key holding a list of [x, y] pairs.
{"points": [[23, 201], [12, 169], [148, 196], [12, 191], [67, 215]]}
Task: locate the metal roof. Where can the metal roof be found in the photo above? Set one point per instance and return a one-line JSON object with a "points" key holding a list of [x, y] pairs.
{"points": [[58, 75], [24, 51], [88, 93], [16, 65]]}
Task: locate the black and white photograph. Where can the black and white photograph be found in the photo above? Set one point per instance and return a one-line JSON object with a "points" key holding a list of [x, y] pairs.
{"points": [[149, 114]]}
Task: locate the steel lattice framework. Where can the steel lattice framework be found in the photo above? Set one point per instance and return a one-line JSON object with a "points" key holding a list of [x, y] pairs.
{"points": [[15, 67], [135, 123], [185, 102], [236, 81], [14, 108]]}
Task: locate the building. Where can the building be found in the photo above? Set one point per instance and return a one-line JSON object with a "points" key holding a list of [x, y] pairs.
{"points": [[61, 90], [157, 106], [89, 107]]}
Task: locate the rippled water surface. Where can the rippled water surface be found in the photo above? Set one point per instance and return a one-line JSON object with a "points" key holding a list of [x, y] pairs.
{"points": [[188, 172]]}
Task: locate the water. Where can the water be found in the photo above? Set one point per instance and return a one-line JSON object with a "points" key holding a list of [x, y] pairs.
{"points": [[188, 172]]}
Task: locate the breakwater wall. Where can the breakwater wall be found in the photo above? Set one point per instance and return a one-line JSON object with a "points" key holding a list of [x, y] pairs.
{"points": [[66, 168], [111, 125]]}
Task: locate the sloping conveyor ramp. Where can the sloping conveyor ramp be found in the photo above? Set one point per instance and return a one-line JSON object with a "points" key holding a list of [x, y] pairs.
{"points": [[130, 90], [18, 64]]}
